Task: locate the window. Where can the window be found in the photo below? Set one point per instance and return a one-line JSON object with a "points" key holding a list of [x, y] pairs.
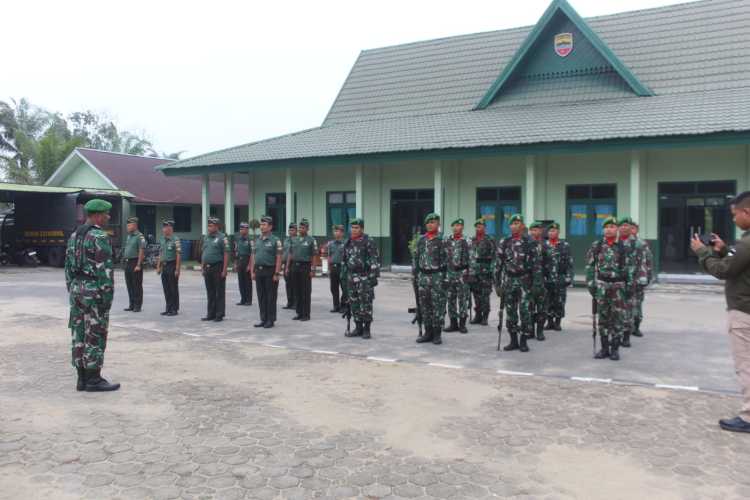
{"points": [[276, 209], [588, 206], [182, 219], [497, 206], [341, 207]]}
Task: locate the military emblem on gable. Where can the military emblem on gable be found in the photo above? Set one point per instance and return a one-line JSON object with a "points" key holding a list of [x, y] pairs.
{"points": [[563, 44]]}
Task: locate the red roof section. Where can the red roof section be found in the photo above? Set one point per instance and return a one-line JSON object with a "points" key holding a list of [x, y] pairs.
{"points": [[136, 174]]}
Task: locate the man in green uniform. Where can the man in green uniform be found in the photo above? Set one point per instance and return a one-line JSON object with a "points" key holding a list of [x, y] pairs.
{"points": [[539, 302], [608, 276], [133, 253], [291, 302], [89, 278], [429, 268], [334, 252], [302, 252], [457, 273], [214, 262], [482, 260], [360, 269], [242, 265], [637, 260], [648, 262], [560, 276], [170, 260], [265, 268], [518, 276]]}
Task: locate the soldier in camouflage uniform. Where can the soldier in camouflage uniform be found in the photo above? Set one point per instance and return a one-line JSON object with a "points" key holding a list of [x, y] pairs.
{"points": [[648, 261], [539, 300], [518, 276], [89, 278], [608, 276], [481, 261], [637, 260], [559, 276], [458, 270], [429, 266], [360, 269]]}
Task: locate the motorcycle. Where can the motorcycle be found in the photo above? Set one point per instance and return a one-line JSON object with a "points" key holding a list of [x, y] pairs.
{"points": [[25, 257]]}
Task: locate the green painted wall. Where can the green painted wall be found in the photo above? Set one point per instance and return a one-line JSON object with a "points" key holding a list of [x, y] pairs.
{"points": [[83, 176]]}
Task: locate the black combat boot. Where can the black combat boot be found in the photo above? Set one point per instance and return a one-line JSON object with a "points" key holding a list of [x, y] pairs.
{"points": [[550, 324], [626, 339], [359, 329], [513, 346], [523, 346], [95, 382], [462, 326], [437, 336], [477, 319], [556, 327], [614, 349], [540, 331], [604, 352], [485, 316], [366, 331], [453, 326], [426, 336], [81, 382], [637, 331]]}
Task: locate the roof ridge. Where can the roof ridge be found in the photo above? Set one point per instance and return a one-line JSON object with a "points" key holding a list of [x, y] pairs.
{"points": [[124, 154]]}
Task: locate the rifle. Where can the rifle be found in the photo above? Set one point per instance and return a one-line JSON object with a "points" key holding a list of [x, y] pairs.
{"points": [[594, 313], [416, 311], [500, 314]]}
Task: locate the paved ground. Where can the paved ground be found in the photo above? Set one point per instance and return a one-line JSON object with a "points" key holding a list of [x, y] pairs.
{"points": [[208, 411]]}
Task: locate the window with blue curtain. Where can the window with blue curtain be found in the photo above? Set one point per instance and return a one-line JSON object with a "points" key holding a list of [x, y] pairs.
{"points": [[602, 211], [579, 219], [341, 209], [496, 206], [488, 213]]}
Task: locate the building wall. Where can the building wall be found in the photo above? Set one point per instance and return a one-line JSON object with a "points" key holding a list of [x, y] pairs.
{"points": [[83, 176]]}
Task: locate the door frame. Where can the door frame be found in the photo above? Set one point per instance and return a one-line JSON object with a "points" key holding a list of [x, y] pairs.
{"points": [[415, 200]]}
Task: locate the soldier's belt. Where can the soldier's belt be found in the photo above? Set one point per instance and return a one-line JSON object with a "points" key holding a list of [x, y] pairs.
{"points": [[518, 275], [610, 280], [484, 261], [432, 271], [300, 263], [461, 268], [84, 276]]}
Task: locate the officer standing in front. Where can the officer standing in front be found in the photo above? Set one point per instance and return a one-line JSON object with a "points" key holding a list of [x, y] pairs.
{"points": [[291, 302], [242, 265], [214, 262], [303, 250], [170, 260], [360, 271], [429, 268], [335, 255], [458, 270], [133, 253], [89, 278], [265, 269]]}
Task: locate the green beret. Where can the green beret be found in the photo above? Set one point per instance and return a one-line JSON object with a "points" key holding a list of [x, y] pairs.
{"points": [[357, 221], [431, 217], [292, 225], [554, 225], [304, 222], [338, 227], [536, 224], [458, 221], [96, 206], [213, 220], [479, 222], [132, 220], [167, 222], [244, 225], [634, 223], [624, 220], [269, 220], [610, 221], [514, 218]]}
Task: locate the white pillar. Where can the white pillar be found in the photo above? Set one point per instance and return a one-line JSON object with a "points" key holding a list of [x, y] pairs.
{"points": [[229, 203], [439, 188], [205, 203], [529, 200], [251, 196], [358, 191], [635, 186], [289, 187]]}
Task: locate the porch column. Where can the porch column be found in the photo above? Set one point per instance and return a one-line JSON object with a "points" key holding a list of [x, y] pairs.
{"points": [[229, 203], [205, 203], [289, 187], [439, 188], [529, 200], [358, 191], [251, 196], [635, 186]]}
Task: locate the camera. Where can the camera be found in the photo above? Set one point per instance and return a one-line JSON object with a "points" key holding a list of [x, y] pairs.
{"points": [[707, 239]]}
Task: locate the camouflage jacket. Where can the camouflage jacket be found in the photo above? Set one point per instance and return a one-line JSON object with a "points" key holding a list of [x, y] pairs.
{"points": [[649, 261], [361, 258], [561, 270], [430, 255], [609, 263], [88, 264], [518, 258], [546, 251], [637, 249], [481, 255], [458, 254]]}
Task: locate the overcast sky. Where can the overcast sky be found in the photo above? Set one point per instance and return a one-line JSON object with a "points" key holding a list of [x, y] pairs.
{"points": [[201, 76]]}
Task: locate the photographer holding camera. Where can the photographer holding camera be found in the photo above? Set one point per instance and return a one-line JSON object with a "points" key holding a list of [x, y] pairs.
{"points": [[734, 267]]}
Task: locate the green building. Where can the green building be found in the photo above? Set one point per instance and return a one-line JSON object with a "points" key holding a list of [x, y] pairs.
{"points": [[645, 113]]}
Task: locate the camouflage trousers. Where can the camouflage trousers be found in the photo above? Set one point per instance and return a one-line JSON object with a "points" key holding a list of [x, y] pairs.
{"points": [[359, 294], [538, 304], [640, 295], [481, 289], [458, 296], [517, 297], [431, 288], [557, 295], [612, 309], [88, 323]]}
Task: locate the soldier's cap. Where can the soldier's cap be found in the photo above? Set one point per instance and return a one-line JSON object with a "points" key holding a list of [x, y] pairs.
{"points": [[634, 223], [536, 224], [480, 222], [554, 225], [431, 217], [292, 225], [269, 220], [458, 221], [625, 220], [304, 222], [132, 220], [610, 221], [338, 227], [97, 206], [357, 221], [167, 222], [244, 225], [514, 218], [213, 220]]}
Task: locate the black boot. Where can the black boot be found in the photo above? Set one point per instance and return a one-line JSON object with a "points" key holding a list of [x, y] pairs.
{"points": [[540, 330], [437, 336], [95, 382], [637, 331], [462, 326], [550, 324], [453, 326], [604, 352], [556, 327], [513, 346], [626, 339], [426, 336], [614, 353], [357, 330], [485, 315], [477, 318], [81, 382], [523, 346], [366, 331]]}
